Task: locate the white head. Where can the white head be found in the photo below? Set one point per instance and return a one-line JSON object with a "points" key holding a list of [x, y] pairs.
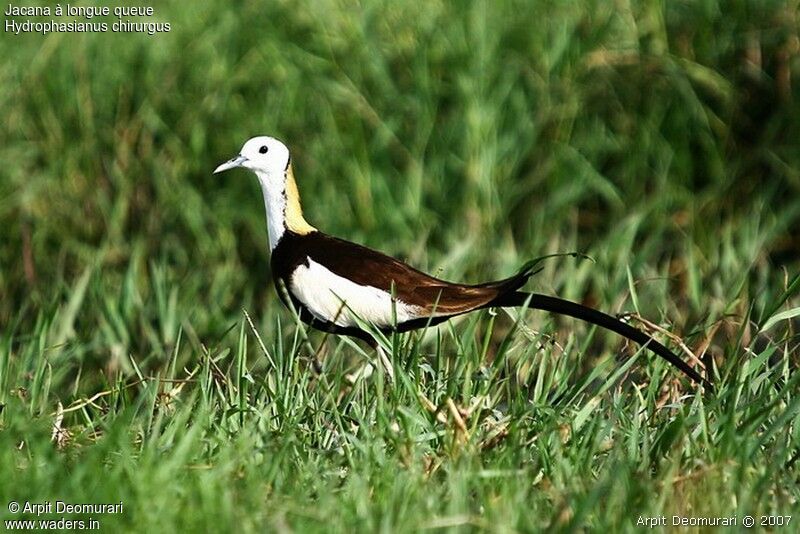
{"points": [[261, 154], [269, 159]]}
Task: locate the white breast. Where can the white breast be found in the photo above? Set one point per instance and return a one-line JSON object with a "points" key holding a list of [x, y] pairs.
{"points": [[336, 299]]}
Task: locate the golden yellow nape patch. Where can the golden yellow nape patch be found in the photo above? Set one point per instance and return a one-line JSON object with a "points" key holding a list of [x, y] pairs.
{"points": [[294, 213]]}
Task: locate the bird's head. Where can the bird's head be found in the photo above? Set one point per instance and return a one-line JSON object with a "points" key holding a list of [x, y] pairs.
{"points": [[262, 155]]}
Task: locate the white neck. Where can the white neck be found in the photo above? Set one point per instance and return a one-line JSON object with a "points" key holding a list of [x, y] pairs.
{"points": [[274, 190]]}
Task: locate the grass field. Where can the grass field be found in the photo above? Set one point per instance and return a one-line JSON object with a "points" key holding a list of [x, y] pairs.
{"points": [[660, 138]]}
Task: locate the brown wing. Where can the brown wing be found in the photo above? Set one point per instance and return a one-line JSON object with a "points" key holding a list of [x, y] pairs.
{"points": [[368, 267]]}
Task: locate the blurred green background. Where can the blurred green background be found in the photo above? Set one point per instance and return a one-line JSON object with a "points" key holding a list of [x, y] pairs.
{"points": [[659, 137]]}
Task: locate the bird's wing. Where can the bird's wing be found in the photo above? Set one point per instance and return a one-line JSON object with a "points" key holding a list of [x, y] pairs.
{"points": [[368, 267]]}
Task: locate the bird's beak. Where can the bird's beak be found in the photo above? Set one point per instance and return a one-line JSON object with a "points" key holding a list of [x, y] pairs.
{"points": [[238, 161]]}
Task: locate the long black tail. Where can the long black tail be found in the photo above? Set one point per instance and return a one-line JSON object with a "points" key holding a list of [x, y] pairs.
{"points": [[584, 313]]}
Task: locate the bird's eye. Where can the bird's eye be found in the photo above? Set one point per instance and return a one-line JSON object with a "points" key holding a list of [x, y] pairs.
{"points": [[263, 149]]}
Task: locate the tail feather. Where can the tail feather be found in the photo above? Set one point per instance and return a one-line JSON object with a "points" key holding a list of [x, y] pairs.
{"points": [[520, 278], [590, 315]]}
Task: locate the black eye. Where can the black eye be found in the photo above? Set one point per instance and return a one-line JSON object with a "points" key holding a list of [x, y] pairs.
{"points": [[263, 149]]}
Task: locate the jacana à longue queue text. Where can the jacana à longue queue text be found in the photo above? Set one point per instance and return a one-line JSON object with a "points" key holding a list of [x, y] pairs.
{"points": [[332, 282]]}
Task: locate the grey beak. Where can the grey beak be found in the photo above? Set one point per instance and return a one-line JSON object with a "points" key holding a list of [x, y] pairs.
{"points": [[230, 164]]}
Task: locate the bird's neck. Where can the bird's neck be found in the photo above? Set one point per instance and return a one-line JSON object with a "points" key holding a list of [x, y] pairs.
{"points": [[282, 201]]}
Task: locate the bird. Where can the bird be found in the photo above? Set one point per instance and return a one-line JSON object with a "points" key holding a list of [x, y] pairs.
{"points": [[336, 286]]}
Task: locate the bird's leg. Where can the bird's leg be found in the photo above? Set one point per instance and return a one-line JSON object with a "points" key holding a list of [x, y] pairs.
{"points": [[366, 370], [385, 362], [363, 372]]}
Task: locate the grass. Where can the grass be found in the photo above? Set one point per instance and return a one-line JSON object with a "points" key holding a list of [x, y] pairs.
{"points": [[660, 138]]}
